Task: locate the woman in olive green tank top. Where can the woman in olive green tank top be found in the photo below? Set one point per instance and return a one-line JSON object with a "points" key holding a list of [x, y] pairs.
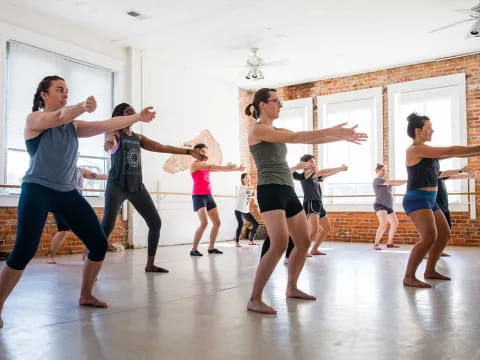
{"points": [[279, 205]]}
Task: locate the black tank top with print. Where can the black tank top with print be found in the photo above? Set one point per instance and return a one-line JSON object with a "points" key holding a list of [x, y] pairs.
{"points": [[126, 166]]}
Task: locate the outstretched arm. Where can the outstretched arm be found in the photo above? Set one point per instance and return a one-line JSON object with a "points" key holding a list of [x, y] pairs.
{"points": [[151, 145], [435, 152], [394, 182], [262, 132], [198, 165], [331, 171], [89, 174], [42, 120], [92, 128], [463, 173]]}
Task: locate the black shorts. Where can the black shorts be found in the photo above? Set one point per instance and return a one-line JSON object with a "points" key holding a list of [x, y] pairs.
{"points": [[278, 197], [61, 225], [200, 201], [378, 207], [314, 207]]}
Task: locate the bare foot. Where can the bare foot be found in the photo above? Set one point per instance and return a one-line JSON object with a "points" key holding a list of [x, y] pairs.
{"points": [[155, 269], [238, 245], [260, 307], [92, 301], [299, 294], [51, 261], [316, 252], [309, 255], [444, 255], [414, 282], [435, 275]]}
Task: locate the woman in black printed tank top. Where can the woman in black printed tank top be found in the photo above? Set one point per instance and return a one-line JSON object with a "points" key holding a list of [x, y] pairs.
{"points": [[419, 201], [125, 180]]}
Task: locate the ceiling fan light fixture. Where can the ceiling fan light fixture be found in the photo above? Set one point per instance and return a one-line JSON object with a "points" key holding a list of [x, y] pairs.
{"points": [[475, 29]]}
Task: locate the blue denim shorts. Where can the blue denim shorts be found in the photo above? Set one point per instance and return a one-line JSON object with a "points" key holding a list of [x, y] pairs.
{"points": [[419, 199]]}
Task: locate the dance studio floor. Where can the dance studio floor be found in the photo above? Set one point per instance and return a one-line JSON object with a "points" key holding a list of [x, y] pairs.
{"points": [[198, 310]]}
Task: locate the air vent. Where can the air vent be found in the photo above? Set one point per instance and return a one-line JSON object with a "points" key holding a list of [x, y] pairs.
{"points": [[137, 15]]}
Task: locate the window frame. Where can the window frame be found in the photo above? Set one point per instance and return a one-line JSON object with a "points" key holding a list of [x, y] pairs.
{"points": [[426, 84], [79, 55], [375, 94]]}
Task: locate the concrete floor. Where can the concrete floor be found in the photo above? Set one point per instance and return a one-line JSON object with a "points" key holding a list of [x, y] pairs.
{"points": [[198, 310]]}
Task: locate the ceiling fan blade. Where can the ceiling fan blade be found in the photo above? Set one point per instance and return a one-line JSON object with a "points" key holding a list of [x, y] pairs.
{"points": [[275, 63], [447, 26], [464, 11]]}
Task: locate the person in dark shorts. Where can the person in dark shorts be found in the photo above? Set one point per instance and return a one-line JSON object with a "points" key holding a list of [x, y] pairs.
{"points": [[203, 203], [281, 210], [310, 178], [383, 206], [467, 172]]}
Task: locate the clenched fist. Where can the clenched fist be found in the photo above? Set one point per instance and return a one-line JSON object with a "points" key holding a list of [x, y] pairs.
{"points": [[90, 104]]}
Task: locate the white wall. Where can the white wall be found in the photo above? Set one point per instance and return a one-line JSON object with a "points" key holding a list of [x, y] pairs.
{"points": [[187, 99]]}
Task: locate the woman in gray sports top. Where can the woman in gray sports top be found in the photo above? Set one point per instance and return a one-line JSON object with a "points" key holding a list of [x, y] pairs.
{"points": [[383, 206], [49, 185], [279, 205]]}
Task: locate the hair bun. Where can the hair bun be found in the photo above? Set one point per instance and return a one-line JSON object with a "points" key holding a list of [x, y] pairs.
{"points": [[412, 116]]}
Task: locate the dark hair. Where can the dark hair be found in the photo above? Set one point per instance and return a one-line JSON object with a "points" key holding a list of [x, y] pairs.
{"points": [[379, 167], [243, 176], [43, 86], [261, 95], [120, 109], [200, 146], [307, 157], [415, 121]]}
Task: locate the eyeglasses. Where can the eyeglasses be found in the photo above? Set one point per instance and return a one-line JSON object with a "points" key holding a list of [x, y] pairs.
{"points": [[278, 101]]}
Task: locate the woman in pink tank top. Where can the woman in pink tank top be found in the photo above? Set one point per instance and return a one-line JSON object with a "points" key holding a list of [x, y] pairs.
{"points": [[203, 202]]}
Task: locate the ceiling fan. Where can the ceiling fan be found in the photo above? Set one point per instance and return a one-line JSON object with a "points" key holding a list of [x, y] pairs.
{"points": [[474, 15], [254, 63]]}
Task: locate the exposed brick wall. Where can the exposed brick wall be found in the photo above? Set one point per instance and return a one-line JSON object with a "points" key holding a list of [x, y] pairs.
{"points": [[362, 226], [72, 245]]}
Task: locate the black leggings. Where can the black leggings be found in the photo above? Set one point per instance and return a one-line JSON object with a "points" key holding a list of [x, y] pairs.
{"points": [[446, 212], [143, 203], [251, 219], [35, 202], [266, 246]]}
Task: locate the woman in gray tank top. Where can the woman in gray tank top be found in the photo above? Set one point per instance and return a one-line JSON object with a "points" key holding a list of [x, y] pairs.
{"points": [[49, 184], [279, 205], [383, 206]]}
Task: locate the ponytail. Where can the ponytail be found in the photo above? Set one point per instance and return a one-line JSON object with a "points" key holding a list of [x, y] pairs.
{"points": [[43, 86], [261, 95]]}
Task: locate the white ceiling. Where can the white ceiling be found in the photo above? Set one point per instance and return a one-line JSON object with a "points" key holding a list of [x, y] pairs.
{"points": [[315, 38]]}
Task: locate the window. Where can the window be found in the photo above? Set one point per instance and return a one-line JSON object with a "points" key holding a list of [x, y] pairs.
{"points": [[442, 99], [296, 115], [26, 66], [362, 108]]}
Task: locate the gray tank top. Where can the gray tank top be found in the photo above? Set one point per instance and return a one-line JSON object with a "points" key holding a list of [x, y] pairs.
{"points": [[53, 158], [271, 161]]}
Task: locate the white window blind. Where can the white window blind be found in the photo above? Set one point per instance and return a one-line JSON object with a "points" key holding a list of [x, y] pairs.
{"points": [[26, 67], [442, 99], [362, 108]]}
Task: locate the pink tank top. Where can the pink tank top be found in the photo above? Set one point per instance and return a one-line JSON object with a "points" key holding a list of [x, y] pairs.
{"points": [[201, 182]]}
